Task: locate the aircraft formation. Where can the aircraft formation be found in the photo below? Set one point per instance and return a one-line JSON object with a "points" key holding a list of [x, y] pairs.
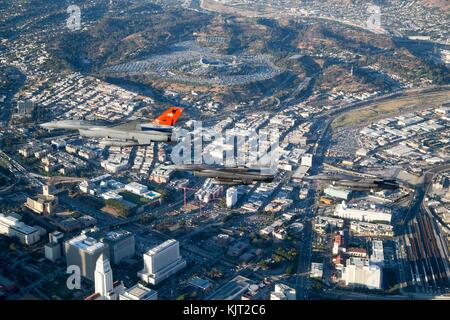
{"points": [[137, 133]]}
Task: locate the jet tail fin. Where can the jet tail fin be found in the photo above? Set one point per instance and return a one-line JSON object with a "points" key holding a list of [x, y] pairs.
{"points": [[169, 117]]}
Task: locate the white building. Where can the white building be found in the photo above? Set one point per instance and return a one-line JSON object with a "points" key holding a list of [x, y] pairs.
{"points": [[161, 262], [337, 193], [316, 270], [283, 292], [103, 278], [139, 292], [307, 160], [52, 251], [111, 195], [209, 191], [342, 211], [136, 188], [359, 272], [13, 227], [231, 197]]}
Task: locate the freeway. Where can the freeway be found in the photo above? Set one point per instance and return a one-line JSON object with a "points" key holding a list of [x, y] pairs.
{"points": [[18, 170]]}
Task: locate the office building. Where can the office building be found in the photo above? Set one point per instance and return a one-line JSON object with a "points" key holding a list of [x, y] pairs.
{"points": [[121, 245], [161, 262], [360, 273], [231, 197], [42, 204], [52, 251], [12, 227], [139, 292], [84, 251]]}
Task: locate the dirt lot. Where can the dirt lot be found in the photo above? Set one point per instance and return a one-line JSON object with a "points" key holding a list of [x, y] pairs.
{"points": [[391, 108]]}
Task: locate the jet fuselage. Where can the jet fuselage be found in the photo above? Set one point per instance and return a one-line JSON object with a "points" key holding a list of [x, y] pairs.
{"points": [[123, 135], [228, 175]]}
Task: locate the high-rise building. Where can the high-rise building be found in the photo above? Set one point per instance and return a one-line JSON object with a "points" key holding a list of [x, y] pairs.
{"points": [[52, 249], [121, 245], [139, 292], [161, 262], [103, 277], [359, 272], [231, 197], [84, 251]]}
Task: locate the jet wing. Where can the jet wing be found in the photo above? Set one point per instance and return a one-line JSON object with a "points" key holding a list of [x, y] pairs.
{"points": [[127, 126], [231, 169]]}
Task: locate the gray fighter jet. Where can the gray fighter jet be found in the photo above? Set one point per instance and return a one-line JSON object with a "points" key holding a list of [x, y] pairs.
{"points": [[228, 175], [131, 133], [357, 183]]}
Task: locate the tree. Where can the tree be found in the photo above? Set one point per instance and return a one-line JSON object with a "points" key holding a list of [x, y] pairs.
{"points": [[119, 207], [290, 269], [182, 297]]}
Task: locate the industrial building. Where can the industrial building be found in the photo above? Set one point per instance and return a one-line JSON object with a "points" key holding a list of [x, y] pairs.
{"points": [[232, 290], [337, 193], [342, 211]]}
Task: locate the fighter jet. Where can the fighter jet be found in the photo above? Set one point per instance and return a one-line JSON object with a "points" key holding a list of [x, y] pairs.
{"points": [[357, 183], [228, 175], [131, 133]]}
